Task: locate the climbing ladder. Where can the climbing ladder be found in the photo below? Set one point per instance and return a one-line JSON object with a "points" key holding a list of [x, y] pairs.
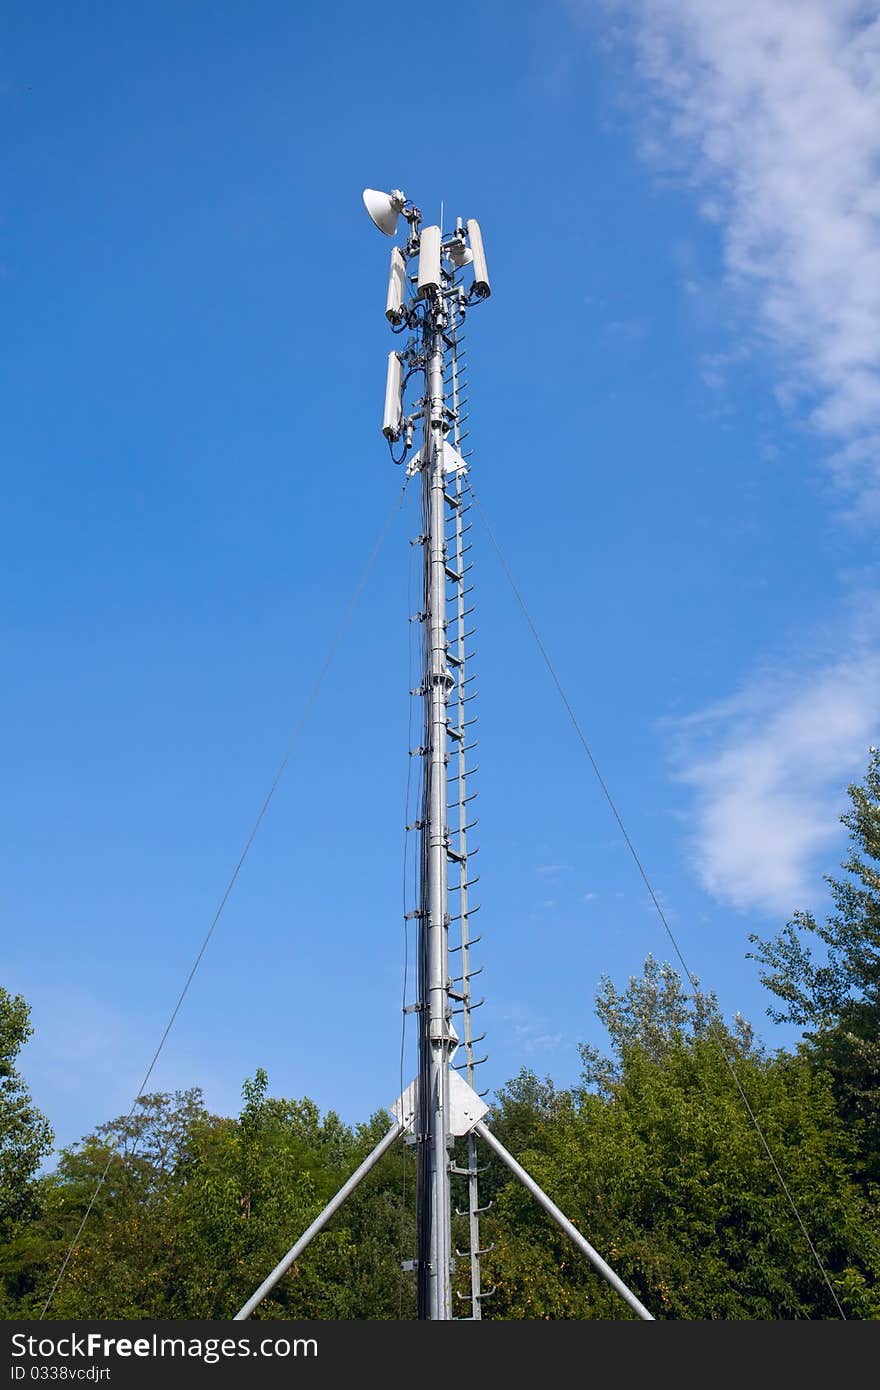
{"points": [[462, 820]]}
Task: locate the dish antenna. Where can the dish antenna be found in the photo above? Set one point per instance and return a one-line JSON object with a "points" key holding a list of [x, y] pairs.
{"points": [[385, 208]]}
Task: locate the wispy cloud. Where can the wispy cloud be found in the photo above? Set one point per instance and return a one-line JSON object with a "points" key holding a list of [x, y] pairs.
{"points": [[528, 1030], [772, 107], [768, 769]]}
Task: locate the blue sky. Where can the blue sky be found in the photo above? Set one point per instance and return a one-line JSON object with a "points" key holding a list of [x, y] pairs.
{"points": [[676, 413]]}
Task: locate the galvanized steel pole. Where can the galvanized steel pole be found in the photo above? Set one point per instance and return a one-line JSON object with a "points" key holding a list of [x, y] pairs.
{"points": [[435, 1040]]}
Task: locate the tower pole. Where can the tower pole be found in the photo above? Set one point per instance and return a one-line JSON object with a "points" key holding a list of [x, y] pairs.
{"points": [[440, 1105], [435, 1036]]}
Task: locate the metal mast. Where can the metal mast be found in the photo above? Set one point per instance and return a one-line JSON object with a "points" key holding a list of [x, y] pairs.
{"points": [[440, 1105], [435, 312], [435, 1034]]}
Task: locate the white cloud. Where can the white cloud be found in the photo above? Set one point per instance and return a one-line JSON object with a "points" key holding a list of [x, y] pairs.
{"points": [[543, 1042], [773, 107], [528, 1029], [768, 769]]}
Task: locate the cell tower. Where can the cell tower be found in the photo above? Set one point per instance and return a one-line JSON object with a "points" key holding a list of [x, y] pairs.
{"points": [[441, 1104]]}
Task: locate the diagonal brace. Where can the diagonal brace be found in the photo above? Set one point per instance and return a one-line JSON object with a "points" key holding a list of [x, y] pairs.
{"points": [[571, 1231], [319, 1222]]}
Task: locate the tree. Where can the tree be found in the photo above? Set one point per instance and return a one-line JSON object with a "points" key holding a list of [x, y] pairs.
{"points": [[196, 1210], [25, 1136], [836, 998], [25, 1133], [119, 1267], [257, 1185], [656, 1160]]}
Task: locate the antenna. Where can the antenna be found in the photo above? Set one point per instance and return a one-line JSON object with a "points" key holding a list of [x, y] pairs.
{"points": [[384, 208], [441, 1104]]}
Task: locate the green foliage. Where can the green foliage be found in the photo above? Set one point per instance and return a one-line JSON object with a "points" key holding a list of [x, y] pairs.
{"points": [[25, 1139], [25, 1134], [656, 1160], [836, 998], [196, 1210], [653, 1156]]}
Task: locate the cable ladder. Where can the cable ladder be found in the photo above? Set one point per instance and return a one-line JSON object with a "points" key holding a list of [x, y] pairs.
{"points": [[460, 850]]}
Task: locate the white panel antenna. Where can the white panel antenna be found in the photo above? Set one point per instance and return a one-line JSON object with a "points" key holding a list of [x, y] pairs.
{"points": [[481, 275], [429, 260], [394, 310], [392, 419]]}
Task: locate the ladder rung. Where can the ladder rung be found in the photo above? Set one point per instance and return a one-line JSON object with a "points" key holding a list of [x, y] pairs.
{"points": [[479, 1004], [468, 883], [461, 945], [459, 979], [457, 918], [477, 1062]]}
